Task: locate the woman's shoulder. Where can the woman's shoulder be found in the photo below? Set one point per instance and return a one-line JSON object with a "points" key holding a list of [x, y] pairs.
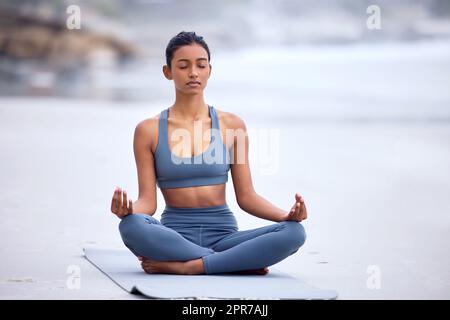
{"points": [[147, 129], [148, 124], [230, 119]]}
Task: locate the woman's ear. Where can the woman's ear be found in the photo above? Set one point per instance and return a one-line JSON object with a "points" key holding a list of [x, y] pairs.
{"points": [[167, 72], [210, 68]]}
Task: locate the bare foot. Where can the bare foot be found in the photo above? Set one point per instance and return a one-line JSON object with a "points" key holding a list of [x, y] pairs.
{"points": [[172, 267], [187, 267], [261, 272]]}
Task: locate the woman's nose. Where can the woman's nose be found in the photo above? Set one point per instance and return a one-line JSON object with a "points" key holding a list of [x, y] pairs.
{"points": [[193, 72]]}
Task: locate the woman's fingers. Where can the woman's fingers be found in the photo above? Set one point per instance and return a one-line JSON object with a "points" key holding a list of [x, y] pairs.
{"points": [[121, 206], [302, 212], [130, 207], [299, 207], [127, 204], [297, 210], [118, 203], [292, 210], [114, 202], [120, 199], [305, 212], [125, 201], [299, 198]]}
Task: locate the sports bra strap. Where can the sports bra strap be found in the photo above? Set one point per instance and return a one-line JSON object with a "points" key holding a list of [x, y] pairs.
{"points": [[214, 118], [163, 127]]}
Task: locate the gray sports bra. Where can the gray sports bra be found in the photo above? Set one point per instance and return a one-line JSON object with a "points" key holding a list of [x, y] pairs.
{"points": [[208, 168]]}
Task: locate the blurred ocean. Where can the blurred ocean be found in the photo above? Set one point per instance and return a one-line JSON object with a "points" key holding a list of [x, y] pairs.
{"points": [[285, 58], [357, 82], [395, 81]]}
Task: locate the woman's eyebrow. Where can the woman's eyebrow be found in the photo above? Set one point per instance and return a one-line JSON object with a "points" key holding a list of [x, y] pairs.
{"points": [[189, 60]]}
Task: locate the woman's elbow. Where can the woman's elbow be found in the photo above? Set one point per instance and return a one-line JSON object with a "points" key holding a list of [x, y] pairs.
{"points": [[145, 206], [243, 200]]}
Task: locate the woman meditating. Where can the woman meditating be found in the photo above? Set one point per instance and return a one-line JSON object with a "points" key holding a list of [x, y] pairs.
{"points": [[187, 151]]}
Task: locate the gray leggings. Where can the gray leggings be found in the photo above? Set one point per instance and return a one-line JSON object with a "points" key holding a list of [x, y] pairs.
{"points": [[212, 234]]}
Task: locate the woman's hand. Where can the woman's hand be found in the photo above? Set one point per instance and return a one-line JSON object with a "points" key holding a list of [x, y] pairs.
{"points": [[298, 211], [119, 206]]}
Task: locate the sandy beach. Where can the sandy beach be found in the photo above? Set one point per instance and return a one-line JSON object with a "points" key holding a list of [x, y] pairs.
{"points": [[376, 182]]}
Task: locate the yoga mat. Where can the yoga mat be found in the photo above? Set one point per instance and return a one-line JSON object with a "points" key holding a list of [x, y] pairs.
{"points": [[122, 267]]}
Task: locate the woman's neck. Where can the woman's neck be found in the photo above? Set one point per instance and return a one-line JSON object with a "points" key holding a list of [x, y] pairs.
{"points": [[190, 107]]}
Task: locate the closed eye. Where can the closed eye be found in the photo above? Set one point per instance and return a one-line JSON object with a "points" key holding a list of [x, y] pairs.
{"points": [[202, 67]]}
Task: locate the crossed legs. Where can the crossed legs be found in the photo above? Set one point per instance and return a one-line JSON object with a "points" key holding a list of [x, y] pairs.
{"points": [[251, 249]]}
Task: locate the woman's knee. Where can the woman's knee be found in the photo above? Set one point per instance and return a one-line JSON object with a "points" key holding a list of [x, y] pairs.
{"points": [[131, 224], [296, 233]]}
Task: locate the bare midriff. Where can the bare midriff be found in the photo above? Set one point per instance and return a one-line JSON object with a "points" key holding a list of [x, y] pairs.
{"points": [[195, 197]]}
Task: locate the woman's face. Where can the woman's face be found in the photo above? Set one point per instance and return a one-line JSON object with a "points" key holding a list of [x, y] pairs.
{"points": [[190, 69]]}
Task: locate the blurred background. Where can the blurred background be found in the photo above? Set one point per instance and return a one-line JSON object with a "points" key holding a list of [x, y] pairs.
{"points": [[355, 95], [118, 51]]}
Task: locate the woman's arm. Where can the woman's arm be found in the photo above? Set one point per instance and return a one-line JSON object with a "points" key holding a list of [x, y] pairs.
{"points": [[258, 206], [248, 200], [121, 206], [143, 138]]}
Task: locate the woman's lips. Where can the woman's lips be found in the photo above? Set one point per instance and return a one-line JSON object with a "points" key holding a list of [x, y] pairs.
{"points": [[193, 84]]}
